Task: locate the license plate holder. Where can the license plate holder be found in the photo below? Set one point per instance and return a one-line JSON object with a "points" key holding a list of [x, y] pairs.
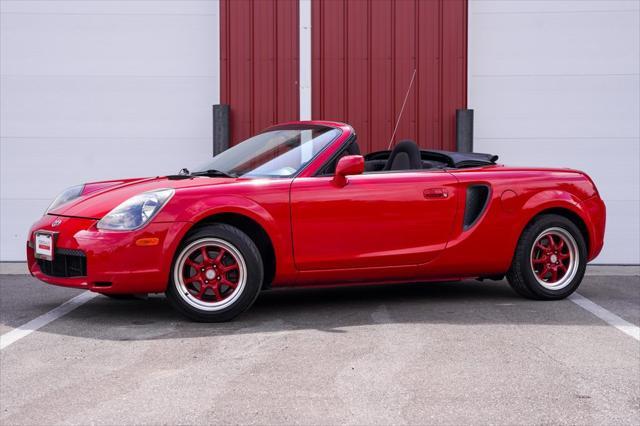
{"points": [[44, 244]]}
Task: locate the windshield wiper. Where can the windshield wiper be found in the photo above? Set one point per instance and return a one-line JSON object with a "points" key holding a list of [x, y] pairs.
{"points": [[213, 173]]}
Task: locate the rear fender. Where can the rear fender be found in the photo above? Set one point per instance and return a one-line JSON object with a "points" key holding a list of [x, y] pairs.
{"points": [[549, 200], [488, 247]]}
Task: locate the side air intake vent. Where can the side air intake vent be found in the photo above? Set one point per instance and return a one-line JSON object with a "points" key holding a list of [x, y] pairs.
{"points": [[477, 197]]}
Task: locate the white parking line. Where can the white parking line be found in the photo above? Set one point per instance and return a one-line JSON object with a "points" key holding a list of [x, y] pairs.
{"points": [[71, 304], [24, 330], [606, 316]]}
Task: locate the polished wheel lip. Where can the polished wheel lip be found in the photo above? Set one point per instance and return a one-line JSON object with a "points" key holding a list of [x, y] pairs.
{"points": [[181, 286], [567, 260]]}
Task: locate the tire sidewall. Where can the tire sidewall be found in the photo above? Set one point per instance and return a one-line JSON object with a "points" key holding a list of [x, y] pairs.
{"points": [[254, 273], [529, 239]]}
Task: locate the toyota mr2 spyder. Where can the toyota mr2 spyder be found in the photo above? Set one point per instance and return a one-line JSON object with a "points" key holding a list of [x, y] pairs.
{"points": [[298, 205]]}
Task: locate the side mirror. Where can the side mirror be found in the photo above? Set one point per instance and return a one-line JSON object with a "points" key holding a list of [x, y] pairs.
{"points": [[348, 165]]}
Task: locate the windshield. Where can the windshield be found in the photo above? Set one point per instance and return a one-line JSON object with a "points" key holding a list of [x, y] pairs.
{"points": [[276, 153]]}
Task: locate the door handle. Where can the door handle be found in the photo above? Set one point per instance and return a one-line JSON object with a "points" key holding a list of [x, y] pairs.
{"points": [[435, 193]]}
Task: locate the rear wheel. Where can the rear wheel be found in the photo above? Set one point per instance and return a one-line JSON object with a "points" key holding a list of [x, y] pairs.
{"points": [[216, 274], [550, 259]]}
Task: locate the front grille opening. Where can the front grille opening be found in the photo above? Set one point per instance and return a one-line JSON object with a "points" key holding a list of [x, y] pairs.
{"points": [[65, 264], [102, 284]]}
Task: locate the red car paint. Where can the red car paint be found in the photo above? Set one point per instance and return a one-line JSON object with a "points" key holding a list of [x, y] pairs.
{"points": [[328, 230]]}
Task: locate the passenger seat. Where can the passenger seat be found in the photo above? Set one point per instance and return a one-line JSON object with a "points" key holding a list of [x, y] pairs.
{"points": [[405, 156]]}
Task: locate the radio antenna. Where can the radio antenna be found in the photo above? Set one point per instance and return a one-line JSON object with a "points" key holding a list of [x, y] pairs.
{"points": [[402, 109]]}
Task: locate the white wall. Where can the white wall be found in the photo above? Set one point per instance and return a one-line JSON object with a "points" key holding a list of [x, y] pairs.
{"points": [[557, 83], [93, 90]]}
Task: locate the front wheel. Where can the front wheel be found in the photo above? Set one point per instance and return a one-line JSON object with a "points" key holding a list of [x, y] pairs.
{"points": [[550, 259], [216, 274]]}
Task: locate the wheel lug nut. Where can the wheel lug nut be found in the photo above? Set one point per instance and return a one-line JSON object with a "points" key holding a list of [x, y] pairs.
{"points": [[202, 269]]}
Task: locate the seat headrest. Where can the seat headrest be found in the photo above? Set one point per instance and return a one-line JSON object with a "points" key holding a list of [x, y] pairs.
{"points": [[405, 156]]}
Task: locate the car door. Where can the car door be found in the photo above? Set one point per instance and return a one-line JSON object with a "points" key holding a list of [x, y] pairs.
{"points": [[376, 220]]}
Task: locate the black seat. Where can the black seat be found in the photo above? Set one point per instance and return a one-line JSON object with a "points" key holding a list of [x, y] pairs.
{"points": [[353, 149], [405, 156]]}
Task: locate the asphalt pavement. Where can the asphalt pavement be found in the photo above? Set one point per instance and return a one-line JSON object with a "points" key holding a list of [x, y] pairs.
{"points": [[454, 353]]}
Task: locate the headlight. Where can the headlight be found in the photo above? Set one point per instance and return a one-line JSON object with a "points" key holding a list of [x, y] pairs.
{"points": [[136, 211], [66, 196]]}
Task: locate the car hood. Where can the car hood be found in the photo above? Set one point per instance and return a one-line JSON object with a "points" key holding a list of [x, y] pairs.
{"points": [[99, 202]]}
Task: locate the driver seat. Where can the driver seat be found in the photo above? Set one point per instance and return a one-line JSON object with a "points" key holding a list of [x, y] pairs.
{"points": [[405, 156]]}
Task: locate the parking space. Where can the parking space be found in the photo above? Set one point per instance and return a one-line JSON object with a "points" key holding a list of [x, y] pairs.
{"points": [[453, 353], [23, 298]]}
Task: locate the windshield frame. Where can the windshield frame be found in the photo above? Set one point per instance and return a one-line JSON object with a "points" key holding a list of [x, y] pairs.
{"points": [[325, 154], [301, 126]]}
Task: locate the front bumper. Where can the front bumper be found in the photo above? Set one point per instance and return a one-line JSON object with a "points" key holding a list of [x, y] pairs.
{"points": [[114, 260]]}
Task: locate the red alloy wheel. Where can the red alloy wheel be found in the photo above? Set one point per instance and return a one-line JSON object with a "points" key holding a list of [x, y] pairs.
{"points": [[554, 258], [210, 273]]}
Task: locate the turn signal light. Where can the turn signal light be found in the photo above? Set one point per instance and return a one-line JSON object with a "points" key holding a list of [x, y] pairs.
{"points": [[146, 242]]}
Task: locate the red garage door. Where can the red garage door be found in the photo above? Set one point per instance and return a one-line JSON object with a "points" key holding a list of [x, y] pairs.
{"points": [[364, 54], [259, 63]]}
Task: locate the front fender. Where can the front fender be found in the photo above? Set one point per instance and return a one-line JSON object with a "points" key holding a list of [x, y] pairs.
{"points": [[202, 208], [194, 208], [191, 208]]}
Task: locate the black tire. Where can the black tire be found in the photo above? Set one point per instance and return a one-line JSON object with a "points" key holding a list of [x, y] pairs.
{"points": [[521, 275], [249, 260]]}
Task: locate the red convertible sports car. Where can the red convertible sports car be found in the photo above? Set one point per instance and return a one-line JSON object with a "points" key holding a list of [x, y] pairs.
{"points": [[297, 205]]}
